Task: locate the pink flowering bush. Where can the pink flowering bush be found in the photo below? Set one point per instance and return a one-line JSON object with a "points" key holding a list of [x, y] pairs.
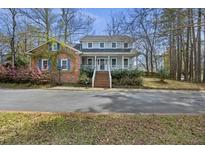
{"points": [[23, 75]]}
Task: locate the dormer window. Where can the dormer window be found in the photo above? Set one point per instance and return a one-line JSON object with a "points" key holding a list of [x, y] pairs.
{"points": [[102, 45], [114, 45], [125, 45], [90, 45]]}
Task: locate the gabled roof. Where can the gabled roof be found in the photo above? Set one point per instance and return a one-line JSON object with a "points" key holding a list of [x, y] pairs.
{"points": [[107, 38], [51, 40]]}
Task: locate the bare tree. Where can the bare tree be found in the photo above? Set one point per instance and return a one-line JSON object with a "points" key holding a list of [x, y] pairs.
{"points": [[115, 25], [43, 18]]}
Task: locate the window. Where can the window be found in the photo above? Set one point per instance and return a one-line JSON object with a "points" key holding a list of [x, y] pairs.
{"points": [[114, 45], [90, 45], [90, 61], [54, 47], [44, 64], [114, 62], [126, 62], [64, 64], [102, 45], [125, 45]]}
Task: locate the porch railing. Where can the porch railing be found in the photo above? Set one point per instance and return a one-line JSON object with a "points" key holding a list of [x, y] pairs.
{"points": [[112, 67]]}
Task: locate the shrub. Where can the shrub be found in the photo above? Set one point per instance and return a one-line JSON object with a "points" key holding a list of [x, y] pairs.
{"points": [[84, 79], [23, 75], [163, 74], [87, 71], [127, 77]]}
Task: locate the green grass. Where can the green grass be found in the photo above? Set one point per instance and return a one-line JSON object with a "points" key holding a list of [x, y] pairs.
{"points": [[87, 128]]}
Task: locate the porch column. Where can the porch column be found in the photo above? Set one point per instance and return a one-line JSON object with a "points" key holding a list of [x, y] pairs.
{"points": [[95, 62], [108, 62], [122, 62]]}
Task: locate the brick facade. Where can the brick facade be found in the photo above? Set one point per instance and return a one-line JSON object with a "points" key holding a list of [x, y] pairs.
{"points": [[66, 76]]}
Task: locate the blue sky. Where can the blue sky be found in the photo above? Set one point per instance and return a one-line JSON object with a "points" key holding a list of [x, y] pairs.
{"points": [[101, 17]]}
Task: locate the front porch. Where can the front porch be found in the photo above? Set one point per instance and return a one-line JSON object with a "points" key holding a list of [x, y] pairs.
{"points": [[106, 63]]}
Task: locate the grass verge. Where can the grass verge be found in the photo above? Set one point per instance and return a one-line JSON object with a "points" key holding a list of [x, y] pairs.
{"points": [[87, 128]]}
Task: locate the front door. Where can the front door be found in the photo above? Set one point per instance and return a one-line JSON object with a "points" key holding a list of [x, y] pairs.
{"points": [[102, 64]]}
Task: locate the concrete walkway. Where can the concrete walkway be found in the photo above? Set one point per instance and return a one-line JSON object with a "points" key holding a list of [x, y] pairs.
{"points": [[100, 100]]}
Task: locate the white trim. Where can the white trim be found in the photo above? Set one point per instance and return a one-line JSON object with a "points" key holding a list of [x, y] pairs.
{"points": [[42, 60], [62, 64], [111, 62], [92, 61], [100, 46], [106, 66], [88, 46]]}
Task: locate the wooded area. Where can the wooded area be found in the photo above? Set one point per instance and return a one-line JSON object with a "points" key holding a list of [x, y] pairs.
{"points": [[175, 33]]}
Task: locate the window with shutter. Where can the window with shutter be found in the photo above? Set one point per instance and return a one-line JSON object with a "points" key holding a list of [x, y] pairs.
{"points": [[44, 65]]}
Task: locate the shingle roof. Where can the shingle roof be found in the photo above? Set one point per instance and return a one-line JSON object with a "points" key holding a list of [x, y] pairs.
{"points": [[106, 38]]}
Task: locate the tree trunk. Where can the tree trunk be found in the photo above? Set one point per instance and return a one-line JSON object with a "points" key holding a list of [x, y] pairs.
{"points": [[194, 48], [204, 53], [47, 24], [186, 65], [199, 46]]}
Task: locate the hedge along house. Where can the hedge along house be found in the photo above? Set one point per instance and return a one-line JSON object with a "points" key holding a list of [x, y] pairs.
{"points": [[54, 56]]}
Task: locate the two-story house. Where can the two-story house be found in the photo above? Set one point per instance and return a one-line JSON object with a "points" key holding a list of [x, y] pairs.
{"points": [[102, 54]]}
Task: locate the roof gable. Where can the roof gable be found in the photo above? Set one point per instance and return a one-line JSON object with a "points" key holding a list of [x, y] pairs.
{"points": [[54, 40]]}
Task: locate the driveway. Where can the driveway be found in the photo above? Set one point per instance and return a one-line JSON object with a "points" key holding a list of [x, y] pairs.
{"points": [[140, 101]]}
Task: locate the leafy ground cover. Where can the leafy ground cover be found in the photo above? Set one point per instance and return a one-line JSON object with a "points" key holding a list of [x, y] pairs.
{"points": [[90, 128]]}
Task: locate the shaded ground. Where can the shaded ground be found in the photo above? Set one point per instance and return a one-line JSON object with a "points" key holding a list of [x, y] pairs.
{"points": [[141, 101], [82, 128]]}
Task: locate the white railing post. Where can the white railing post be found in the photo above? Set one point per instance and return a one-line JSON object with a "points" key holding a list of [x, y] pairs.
{"points": [[109, 71], [93, 78]]}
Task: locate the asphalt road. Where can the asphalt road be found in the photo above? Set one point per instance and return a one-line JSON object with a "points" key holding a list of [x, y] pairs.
{"points": [[142, 101]]}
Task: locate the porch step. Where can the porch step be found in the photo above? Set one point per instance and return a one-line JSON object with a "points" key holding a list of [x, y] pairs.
{"points": [[102, 79]]}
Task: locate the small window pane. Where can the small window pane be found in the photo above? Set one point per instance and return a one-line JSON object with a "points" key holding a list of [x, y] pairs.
{"points": [[90, 61], [126, 62], [113, 45], [64, 64], [54, 47], [114, 62], [45, 64], [90, 45], [125, 45], [102, 45]]}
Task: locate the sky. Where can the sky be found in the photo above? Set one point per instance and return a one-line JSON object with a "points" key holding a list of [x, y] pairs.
{"points": [[101, 17]]}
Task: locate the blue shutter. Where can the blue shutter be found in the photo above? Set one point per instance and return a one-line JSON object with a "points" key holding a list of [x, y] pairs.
{"points": [[50, 46], [59, 64], [58, 46], [39, 64], [49, 64], [68, 64]]}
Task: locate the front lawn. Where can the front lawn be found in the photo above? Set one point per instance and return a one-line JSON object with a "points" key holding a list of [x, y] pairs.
{"points": [[154, 83], [90, 128]]}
